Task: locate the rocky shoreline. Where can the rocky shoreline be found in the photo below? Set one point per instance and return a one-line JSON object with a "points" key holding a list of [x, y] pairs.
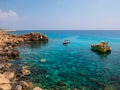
{"points": [[10, 78]]}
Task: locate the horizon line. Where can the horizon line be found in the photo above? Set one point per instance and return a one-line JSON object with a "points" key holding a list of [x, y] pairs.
{"points": [[70, 29]]}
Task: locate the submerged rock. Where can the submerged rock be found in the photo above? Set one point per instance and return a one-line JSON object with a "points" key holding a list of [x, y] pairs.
{"points": [[75, 89], [60, 83], [43, 60], [110, 87], [43, 71]]}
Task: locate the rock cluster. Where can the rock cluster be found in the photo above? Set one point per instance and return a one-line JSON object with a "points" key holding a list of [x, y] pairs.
{"points": [[8, 44], [34, 36], [11, 79]]}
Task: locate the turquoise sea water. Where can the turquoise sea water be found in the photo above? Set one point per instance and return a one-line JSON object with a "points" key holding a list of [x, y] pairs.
{"points": [[74, 65]]}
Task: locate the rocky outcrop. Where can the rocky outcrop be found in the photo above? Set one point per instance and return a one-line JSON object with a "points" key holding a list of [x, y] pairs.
{"points": [[9, 42], [12, 79], [25, 71], [34, 36], [4, 83], [4, 66]]}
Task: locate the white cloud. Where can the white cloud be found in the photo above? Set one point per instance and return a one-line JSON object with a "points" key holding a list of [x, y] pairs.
{"points": [[7, 14]]}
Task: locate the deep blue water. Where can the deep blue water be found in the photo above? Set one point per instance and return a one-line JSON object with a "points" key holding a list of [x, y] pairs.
{"points": [[73, 65]]}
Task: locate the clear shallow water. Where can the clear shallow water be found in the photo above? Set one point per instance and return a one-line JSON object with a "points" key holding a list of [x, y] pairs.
{"points": [[74, 65]]}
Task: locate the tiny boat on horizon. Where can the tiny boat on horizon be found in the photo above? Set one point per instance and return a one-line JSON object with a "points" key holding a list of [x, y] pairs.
{"points": [[102, 47], [66, 42]]}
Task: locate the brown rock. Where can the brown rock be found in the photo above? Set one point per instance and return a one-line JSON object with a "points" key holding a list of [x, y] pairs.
{"points": [[25, 71], [5, 86], [9, 75], [15, 54], [37, 88], [30, 84], [18, 87], [34, 36], [4, 80], [24, 84]]}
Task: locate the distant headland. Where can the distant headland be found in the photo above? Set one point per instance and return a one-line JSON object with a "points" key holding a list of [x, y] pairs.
{"points": [[7, 30]]}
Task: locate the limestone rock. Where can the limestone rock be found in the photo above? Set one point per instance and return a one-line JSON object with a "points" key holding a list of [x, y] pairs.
{"points": [[18, 87], [4, 80], [4, 83], [37, 88], [25, 71], [34, 36], [9, 75], [5, 86]]}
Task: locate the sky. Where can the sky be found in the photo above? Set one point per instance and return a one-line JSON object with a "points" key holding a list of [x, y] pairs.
{"points": [[60, 14]]}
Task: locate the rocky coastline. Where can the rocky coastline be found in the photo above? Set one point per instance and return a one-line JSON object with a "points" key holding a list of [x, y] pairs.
{"points": [[10, 78]]}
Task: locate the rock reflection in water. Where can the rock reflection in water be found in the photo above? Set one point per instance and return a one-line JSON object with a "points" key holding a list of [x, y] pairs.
{"points": [[36, 44]]}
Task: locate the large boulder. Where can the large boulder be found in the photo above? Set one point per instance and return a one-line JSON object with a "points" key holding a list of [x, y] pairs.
{"points": [[25, 71], [4, 83], [18, 87], [4, 80], [5, 87], [9, 75]]}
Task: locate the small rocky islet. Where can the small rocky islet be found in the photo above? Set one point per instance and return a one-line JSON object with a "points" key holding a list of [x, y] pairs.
{"points": [[10, 78]]}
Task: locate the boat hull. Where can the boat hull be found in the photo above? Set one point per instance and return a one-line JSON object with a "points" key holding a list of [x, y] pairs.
{"points": [[99, 49]]}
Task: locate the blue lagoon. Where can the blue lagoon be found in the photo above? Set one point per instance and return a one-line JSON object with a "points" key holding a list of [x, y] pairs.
{"points": [[55, 66]]}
